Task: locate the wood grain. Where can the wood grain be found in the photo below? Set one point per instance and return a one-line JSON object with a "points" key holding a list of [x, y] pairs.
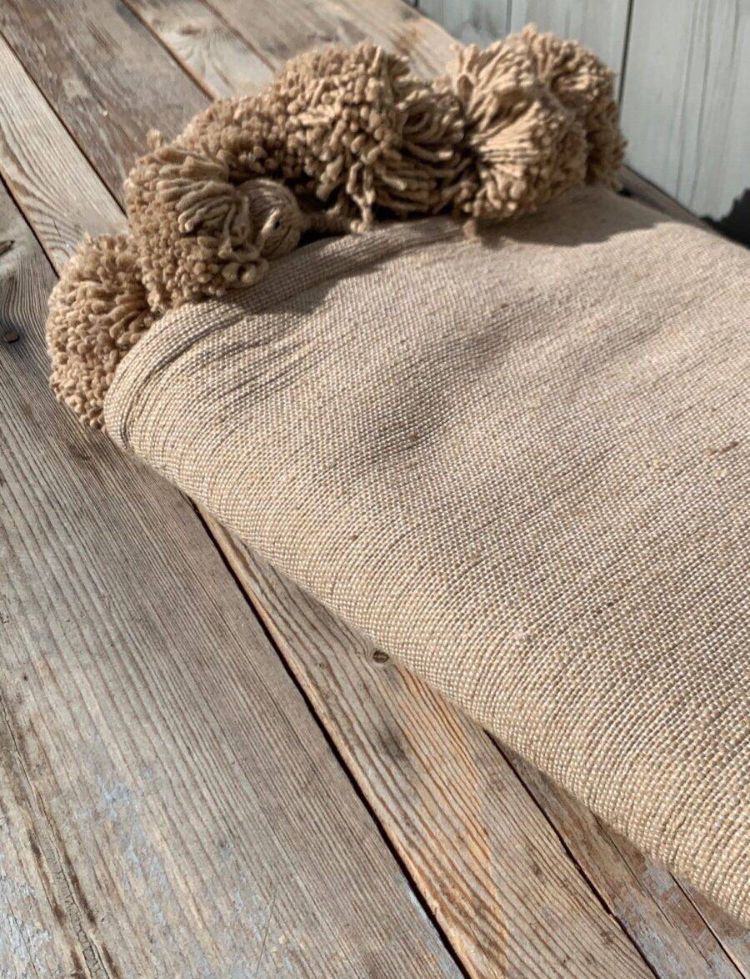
{"points": [[282, 31], [205, 45], [686, 100], [32, 167], [34, 939], [645, 898], [457, 829], [81, 61], [175, 809], [495, 876], [468, 21]]}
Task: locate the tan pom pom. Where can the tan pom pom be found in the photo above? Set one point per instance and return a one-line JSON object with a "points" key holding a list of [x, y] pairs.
{"points": [[585, 85], [526, 146], [247, 135], [197, 233], [97, 312], [369, 133]]}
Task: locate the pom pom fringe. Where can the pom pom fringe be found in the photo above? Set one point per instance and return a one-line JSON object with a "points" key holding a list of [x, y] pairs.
{"points": [[341, 138]]}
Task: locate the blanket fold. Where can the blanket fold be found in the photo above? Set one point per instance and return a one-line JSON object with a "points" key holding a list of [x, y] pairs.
{"points": [[518, 461]]}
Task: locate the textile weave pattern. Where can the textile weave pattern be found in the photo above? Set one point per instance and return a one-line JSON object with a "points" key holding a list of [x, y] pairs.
{"points": [[519, 462]]}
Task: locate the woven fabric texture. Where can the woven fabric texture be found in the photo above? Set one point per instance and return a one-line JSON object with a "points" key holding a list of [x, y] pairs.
{"points": [[519, 462]]}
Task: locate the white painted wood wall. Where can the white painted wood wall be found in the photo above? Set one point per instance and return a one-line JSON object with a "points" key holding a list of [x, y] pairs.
{"points": [[684, 70]]}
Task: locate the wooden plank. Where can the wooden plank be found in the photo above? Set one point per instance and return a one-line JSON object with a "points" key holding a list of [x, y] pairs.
{"points": [[290, 25], [32, 168], [77, 60], [651, 905], [469, 21], [205, 45], [34, 940], [268, 33], [599, 24], [476, 841], [179, 810], [492, 872], [686, 102], [311, 651], [735, 938]]}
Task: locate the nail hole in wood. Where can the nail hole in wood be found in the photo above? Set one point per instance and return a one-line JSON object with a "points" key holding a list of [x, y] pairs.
{"points": [[379, 656]]}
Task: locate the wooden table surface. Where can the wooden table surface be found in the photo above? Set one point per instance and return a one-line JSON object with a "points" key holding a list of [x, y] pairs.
{"points": [[204, 775]]}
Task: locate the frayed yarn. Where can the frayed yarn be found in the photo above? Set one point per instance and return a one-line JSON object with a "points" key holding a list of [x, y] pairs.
{"points": [[350, 127], [585, 86], [342, 138]]}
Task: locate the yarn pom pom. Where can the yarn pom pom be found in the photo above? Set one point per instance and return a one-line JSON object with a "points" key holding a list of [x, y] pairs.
{"points": [[585, 85], [526, 147], [97, 312], [367, 133], [341, 137], [513, 126], [199, 234]]}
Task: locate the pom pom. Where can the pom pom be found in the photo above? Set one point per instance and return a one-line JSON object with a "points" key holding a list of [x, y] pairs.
{"points": [[97, 312], [275, 213], [585, 85], [197, 233], [367, 133], [247, 135], [355, 136], [526, 147]]}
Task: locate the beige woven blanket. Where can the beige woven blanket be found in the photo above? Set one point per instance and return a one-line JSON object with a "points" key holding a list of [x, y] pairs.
{"points": [[519, 462]]}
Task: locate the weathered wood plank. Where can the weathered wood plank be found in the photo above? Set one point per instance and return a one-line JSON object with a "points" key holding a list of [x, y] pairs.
{"points": [[268, 25], [34, 939], [469, 21], [77, 60], [311, 650], [205, 45], [735, 938], [185, 815], [31, 166], [429, 48], [650, 904], [599, 25], [494, 875], [686, 102], [221, 61]]}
